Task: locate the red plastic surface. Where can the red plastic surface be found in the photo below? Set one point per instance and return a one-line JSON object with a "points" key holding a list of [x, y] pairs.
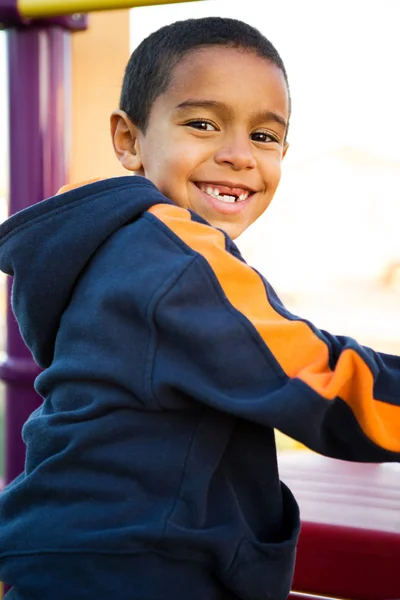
{"points": [[349, 544]]}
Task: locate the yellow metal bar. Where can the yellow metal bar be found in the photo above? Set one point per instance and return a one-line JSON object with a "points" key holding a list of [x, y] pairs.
{"points": [[39, 9]]}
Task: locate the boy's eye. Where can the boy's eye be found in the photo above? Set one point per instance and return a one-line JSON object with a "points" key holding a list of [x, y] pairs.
{"points": [[264, 137], [202, 125]]}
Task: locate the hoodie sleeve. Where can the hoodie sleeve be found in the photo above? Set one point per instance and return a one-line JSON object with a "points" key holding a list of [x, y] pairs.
{"points": [[225, 340]]}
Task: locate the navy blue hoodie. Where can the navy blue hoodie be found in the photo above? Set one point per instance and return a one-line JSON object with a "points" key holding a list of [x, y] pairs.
{"points": [[167, 361]]}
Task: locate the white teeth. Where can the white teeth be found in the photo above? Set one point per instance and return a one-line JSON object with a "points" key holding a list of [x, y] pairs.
{"points": [[211, 191]]}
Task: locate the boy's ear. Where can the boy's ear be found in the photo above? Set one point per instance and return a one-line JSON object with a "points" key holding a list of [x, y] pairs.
{"points": [[285, 149], [125, 140]]}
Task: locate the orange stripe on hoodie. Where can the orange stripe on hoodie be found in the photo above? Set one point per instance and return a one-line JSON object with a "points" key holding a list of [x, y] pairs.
{"points": [[298, 350]]}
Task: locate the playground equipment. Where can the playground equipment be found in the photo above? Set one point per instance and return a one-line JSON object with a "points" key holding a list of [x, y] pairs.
{"points": [[40, 9], [349, 545], [350, 541]]}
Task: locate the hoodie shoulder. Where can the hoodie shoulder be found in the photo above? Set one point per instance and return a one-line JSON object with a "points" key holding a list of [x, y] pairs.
{"points": [[121, 194]]}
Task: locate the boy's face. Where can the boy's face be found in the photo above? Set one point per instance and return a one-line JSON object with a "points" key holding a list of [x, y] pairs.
{"points": [[216, 138]]}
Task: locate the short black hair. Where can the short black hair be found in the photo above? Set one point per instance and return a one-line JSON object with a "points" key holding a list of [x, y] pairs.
{"points": [[150, 67]]}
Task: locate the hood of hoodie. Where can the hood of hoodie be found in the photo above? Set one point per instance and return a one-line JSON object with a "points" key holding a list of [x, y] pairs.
{"points": [[46, 246]]}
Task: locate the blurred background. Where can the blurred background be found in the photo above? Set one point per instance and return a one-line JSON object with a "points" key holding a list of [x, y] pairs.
{"points": [[329, 244]]}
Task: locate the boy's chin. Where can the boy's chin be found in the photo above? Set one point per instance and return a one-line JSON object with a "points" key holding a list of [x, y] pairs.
{"points": [[234, 230]]}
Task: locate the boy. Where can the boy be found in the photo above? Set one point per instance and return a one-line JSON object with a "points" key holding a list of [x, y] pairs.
{"points": [[151, 465]]}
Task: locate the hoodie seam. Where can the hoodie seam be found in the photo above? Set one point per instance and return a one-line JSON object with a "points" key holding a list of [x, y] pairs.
{"points": [[152, 348]]}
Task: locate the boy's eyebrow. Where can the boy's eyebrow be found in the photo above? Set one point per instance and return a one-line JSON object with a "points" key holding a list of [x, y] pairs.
{"points": [[266, 115]]}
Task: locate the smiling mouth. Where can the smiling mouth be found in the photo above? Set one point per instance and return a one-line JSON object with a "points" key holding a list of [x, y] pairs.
{"points": [[225, 193]]}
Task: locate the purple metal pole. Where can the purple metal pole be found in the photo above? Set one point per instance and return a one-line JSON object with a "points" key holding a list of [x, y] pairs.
{"points": [[38, 62], [9, 13]]}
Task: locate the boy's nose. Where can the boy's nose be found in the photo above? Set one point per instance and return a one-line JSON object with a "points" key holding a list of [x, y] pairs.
{"points": [[236, 152]]}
